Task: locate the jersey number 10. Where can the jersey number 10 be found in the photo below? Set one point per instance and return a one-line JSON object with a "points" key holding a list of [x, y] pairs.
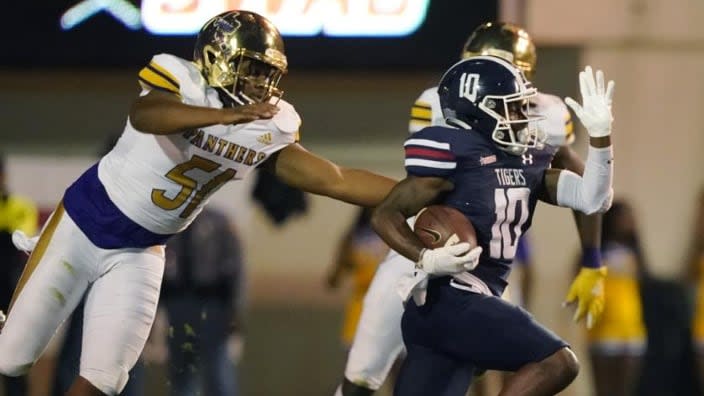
{"points": [[507, 201]]}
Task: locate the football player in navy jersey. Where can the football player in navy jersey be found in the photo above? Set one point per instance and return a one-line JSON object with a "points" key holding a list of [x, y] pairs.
{"points": [[489, 164]]}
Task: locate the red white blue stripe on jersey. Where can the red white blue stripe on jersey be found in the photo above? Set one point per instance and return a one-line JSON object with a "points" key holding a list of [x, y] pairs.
{"points": [[436, 157]]}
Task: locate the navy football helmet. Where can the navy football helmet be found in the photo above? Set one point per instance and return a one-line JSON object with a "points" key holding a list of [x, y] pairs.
{"points": [[490, 95]]}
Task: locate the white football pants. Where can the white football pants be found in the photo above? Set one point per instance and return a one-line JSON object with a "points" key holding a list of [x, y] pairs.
{"points": [[378, 340], [122, 287]]}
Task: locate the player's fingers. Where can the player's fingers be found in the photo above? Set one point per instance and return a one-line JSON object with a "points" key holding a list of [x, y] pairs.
{"points": [[590, 321], [571, 296], [589, 79], [583, 89], [458, 249], [576, 107], [609, 92], [600, 83], [472, 258], [260, 110], [580, 312]]}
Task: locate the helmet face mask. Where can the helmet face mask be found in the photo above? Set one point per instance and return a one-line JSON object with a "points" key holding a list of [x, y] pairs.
{"points": [[516, 131], [241, 54], [490, 95]]}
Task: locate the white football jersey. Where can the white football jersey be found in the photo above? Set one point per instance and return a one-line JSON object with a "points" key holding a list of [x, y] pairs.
{"points": [[557, 123], [162, 182]]}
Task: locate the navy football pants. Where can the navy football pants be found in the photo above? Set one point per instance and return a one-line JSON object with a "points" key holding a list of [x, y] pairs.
{"points": [[457, 331]]}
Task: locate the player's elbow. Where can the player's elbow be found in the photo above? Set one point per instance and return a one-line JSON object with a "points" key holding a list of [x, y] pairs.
{"points": [[605, 203], [598, 204], [376, 219]]}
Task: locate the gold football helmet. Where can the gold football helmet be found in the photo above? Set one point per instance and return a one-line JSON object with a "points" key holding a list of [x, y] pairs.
{"points": [[504, 40], [241, 54]]}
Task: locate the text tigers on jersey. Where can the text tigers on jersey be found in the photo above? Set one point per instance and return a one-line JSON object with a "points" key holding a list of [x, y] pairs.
{"points": [[224, 148], [510, 177]]}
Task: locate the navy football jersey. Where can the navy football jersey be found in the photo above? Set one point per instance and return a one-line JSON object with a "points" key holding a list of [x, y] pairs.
{"points": [[497, 191]]}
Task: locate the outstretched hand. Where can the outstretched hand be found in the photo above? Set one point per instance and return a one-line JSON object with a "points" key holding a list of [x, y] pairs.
{"points": [[587, 292], [595, 110], [249, 113]]}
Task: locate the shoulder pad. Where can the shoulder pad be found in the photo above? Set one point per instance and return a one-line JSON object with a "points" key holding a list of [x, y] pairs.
{"points": [[287, 119], [173, 74], [426, 111]]}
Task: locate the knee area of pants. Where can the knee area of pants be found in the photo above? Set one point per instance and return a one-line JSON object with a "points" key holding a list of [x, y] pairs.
{"points": [[110, 382], [350, 388], [565, 363], [13, 369], [359, 383]]}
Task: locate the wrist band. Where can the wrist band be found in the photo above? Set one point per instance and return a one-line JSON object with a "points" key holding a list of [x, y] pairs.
{"points": [[591, 257]]}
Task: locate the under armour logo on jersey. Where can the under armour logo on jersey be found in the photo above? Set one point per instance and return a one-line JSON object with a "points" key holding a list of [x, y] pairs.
{"points": [[468, 86], [527, 159], [265, 138]]}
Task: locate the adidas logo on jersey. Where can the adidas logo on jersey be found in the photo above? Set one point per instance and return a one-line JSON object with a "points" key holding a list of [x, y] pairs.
{"points": [[265, 138]]}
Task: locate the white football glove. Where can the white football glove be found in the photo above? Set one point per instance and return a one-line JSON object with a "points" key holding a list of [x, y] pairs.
{"points": [[448, 260], [595, 112]]}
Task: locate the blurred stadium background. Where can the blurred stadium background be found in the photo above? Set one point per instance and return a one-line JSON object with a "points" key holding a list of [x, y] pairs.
{"points": [[62, 92]]}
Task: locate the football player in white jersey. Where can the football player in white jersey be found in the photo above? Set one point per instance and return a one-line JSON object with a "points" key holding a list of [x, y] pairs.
{"points": [[196, 125], [378, 342]]}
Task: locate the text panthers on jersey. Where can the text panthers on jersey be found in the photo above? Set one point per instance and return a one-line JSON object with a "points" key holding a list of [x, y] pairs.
{"points": [[161, 182]]}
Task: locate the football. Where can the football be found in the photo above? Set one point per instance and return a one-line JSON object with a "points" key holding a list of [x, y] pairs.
{"points": [[439, 225]]}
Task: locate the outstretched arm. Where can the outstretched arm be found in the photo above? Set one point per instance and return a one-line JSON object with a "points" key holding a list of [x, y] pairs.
{"points": [[591, 193], [588, 226], [302, 169], [163, 113]]}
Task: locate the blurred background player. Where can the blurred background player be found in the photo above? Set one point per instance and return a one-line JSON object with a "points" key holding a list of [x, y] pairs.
{"points": [[16, 213], [696, 270], [617, 341], [358, 255], [373, 351], [203, 295]]}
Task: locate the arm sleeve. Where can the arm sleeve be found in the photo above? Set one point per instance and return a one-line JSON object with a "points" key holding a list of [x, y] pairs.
{"points": [[593, 192]]}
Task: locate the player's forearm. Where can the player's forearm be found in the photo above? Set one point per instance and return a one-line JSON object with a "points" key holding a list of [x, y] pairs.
{"points": [[593, 192], [392, 228], [166, 118], [360, 187], [589, 230]]}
